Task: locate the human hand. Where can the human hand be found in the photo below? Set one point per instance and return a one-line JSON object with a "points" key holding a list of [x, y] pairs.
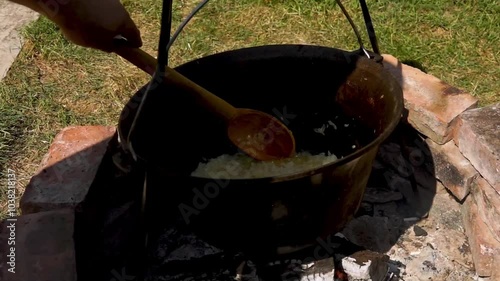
{"points": [[92, 23]]}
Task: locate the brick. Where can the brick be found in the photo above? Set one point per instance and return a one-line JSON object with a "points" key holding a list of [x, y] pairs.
{"points": [[433, 105], [453, 170], [484, 248], [478, 139], [67, 170], [44, 247], [495, 274], [488, 202]]}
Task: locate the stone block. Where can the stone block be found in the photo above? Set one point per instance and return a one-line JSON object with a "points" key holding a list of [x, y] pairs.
{"points": [[41, 247], [366, 265], [488, 203], [452, 168], [484, 247], [67, 170], [433, 105], [478, 137]]}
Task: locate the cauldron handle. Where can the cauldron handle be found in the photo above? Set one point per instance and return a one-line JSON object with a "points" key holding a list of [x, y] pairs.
{"points": [[375, 55], [367, 18]]}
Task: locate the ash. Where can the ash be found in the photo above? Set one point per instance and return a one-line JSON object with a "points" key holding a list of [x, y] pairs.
{"points": [[179, 255], [182, 256]]}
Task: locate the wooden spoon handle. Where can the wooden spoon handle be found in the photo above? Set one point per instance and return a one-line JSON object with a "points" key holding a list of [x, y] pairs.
{"points": [[148, 63]]}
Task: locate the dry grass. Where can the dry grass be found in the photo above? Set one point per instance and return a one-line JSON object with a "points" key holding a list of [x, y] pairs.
{"points": [[54, 84]]}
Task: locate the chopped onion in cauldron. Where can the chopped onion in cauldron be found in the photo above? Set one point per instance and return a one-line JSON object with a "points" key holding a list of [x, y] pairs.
{"points": [[241, 166]]}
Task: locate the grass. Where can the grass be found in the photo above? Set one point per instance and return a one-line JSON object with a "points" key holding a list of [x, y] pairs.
{"points": [[54, 83]]}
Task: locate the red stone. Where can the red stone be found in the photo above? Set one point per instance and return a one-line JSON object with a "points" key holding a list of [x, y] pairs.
{"points": [[44, 247], [488, 202], [478, 137], [433, 105], [452, 168], [484, 248], [67, 170]]}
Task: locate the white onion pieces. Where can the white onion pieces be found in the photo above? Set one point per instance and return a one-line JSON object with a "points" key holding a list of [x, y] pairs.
{"points": [[241, 166]]}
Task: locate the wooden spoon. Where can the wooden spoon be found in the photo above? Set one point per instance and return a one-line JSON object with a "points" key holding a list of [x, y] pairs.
{"points": [[256, 133]]}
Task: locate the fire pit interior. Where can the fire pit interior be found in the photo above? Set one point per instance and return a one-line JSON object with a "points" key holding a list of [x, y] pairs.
{"points": [[108, 227]]}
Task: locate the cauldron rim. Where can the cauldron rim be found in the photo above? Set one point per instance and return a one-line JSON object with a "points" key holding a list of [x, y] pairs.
{"points": [[275, 50]]}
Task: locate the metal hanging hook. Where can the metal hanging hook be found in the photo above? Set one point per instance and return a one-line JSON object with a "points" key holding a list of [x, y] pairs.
{"points": [[158, 77], [355, 29], [369, 27]]}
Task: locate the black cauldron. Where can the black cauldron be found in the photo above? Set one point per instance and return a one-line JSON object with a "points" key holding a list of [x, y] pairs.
{"points": [[306, 87]]}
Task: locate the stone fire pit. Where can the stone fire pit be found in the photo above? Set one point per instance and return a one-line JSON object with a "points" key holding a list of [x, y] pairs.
{"points": [[431, 210]]}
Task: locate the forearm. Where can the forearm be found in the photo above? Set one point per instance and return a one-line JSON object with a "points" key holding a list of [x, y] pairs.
{"points": [[88, 23]]}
